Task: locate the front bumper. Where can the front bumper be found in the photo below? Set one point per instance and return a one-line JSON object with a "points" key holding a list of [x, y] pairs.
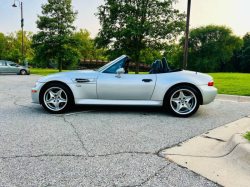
{"points": [[208, 93], [35, 93]]}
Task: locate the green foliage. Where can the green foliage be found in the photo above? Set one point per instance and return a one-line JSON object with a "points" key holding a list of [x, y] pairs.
{"points": [[211, 47], [245, 55], [3, 43], [11, 46], [174, 54], [247, 136], [55, 39], [132, 26], [148, 55], [87, 47]]}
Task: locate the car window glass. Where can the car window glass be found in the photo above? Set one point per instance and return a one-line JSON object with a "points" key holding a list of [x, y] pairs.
{"points": [[10, 64], [2, 63], [115, 67], [106, 65]]}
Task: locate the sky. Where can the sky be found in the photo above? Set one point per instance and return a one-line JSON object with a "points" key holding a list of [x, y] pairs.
{"points": [[232, 13]]}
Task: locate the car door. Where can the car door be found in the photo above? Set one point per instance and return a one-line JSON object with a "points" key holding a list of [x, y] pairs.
{"points": [[127, 87], [12, 67], [3, 67]]}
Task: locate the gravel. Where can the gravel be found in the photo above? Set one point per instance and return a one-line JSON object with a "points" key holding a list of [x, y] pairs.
{"points": [[97, 146]]}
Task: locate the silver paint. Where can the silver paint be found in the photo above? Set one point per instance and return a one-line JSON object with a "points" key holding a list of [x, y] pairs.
{"points": [[129, 89]]}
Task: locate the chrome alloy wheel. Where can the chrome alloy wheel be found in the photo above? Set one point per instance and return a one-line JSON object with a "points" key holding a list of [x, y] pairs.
{"points": [[55, 98], [183, 101], [23, 72]]}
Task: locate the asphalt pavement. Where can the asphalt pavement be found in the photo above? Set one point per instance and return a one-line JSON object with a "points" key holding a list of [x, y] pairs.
{"points": [[97, 146]]}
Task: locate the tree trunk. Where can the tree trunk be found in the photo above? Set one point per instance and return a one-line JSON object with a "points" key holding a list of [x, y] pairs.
{"points": [[60, 64], [137, 64]]}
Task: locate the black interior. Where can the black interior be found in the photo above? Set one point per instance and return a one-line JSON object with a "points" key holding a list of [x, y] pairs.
{"points": [[126, 65], [159, 67]]}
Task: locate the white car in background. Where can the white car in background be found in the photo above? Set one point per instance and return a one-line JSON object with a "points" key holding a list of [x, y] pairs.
{"points": [[181, 92], [11, 67]]}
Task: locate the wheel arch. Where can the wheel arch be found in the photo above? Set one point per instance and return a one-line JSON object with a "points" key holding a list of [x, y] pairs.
{"points": [[60, 82], [185, 84]]}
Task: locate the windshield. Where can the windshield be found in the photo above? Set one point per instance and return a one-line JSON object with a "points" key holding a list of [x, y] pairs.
{"points": [[106, 65]]}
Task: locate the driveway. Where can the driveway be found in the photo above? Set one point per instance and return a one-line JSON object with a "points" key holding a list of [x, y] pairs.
{"points": [[97, 146]]}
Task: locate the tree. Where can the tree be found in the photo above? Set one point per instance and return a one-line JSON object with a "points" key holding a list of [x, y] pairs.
{"points": [[174, 55], [211, 47], [87, 47], [56, 28], [245, 55], [11, 46], [3, 43], [131, 26]]}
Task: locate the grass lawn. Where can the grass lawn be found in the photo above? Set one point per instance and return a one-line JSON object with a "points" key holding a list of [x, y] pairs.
{"points": [[227, 83], [44, 71], [232, 83]]}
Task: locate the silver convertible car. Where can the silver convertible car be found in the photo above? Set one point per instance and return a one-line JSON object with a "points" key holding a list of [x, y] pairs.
{"points": [[181, 92]]}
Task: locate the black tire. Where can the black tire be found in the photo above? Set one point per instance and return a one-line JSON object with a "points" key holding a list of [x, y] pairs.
{"points": [[23, 72], [170, 105], [67, 93]]}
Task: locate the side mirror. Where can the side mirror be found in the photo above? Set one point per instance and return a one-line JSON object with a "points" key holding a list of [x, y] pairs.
{"points": [[119, 72]]}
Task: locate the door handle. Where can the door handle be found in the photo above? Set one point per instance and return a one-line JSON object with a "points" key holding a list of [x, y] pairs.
{"points": [[146, 80]]}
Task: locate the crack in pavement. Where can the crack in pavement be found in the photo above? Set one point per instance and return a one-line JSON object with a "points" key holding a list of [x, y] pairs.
{"points": [[73, 155], [77, 134], [150, 177], [157, 153]]}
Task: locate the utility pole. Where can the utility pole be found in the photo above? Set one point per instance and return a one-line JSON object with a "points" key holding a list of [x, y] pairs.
{"points": [[22, 28], [22, 22], [187, 34]]}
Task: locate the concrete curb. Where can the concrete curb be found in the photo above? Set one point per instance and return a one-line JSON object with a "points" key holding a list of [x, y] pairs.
{"points": [[235, 98], [221, 155]]}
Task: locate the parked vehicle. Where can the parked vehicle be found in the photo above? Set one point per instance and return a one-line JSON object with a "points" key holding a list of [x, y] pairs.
{"points": [[11, 67], [182, 92]]}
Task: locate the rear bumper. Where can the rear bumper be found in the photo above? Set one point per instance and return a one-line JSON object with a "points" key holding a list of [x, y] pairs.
{"points": [[208, 93], [35, 93]]}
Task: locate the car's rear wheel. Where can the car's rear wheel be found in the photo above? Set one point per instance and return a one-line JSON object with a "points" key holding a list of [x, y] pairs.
{"points": [[56, 98], [23, 72], [182, 101]]}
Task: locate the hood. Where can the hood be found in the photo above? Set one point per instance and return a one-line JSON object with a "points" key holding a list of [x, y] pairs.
{"points": [[23, 67]]}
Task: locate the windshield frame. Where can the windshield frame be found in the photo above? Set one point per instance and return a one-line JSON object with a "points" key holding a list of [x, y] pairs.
{"points": [[106, 66]]}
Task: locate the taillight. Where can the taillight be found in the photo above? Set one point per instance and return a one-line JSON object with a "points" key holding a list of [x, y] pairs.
{"points": [[211, 83]]}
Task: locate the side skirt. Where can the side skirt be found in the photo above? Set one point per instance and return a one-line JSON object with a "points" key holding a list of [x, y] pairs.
{"points": [[118, 102]]}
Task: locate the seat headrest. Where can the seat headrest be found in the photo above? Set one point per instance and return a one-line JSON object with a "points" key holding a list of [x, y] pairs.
{"points": [[165, 64], [153, 65], [158, 65]]}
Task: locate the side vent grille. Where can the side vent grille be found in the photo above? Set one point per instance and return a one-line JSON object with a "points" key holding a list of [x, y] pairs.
{"points": [[80, 80]]}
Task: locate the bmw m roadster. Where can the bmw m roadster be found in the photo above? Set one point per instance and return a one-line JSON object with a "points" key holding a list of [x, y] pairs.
{"points": [[179, 91]]}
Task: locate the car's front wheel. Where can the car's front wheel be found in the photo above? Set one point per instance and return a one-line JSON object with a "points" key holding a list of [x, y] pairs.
{"points": [[182, 101], [23, 72], [56, 98]]}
